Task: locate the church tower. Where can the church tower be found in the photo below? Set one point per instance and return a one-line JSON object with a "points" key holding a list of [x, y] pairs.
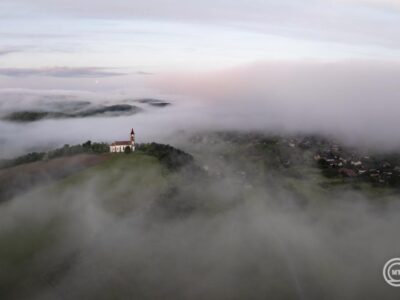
{"points": [[132, 139]]}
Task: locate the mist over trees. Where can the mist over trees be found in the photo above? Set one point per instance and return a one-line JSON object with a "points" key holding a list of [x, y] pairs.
{"points": [[244, 226]]}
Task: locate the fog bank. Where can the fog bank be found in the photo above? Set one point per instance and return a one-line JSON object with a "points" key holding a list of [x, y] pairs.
{"points": [[356, 101], [191, 237]]}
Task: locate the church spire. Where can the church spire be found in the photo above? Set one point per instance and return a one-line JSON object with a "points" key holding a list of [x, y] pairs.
{"points": [[132, 137]]}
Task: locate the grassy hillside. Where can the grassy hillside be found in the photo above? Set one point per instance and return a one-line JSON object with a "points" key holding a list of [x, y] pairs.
{"points": [[122, 180], [161, 224], [22, 173], [118, 185], [19, 179]]}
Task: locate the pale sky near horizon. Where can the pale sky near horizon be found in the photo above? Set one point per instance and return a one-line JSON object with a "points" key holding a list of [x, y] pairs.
{"points": [[102, 38]]}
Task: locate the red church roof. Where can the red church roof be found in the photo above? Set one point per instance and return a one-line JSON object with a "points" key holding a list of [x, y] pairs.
{"points": [[124, 143], [121, 143]]}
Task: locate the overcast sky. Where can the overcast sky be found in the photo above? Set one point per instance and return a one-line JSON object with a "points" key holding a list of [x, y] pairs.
{"points": [[156, 35]]}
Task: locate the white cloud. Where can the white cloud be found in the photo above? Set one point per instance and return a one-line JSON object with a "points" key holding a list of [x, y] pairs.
{"points": [[377, 3]]}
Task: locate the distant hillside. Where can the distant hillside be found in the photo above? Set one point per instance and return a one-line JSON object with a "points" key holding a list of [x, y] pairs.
{"points": [[309, 163], [109, 111], [300, 157], [154, 102], [63, 109]]}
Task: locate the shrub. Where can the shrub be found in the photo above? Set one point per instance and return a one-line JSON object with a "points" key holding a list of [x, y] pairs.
{"points": [[127, 150]]}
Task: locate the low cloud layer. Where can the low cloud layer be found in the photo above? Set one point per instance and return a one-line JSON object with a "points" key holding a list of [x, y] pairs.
{"points": [[9, 50], [358, 100], [65, 72]]}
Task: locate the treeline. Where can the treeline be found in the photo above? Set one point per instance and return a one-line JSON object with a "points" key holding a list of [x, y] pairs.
{"points": [[169, 156], [31, 116], [87, 147], [66, 150]]}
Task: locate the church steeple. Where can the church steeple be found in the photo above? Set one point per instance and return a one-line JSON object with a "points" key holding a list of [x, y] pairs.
{"points": [[132, 137]]}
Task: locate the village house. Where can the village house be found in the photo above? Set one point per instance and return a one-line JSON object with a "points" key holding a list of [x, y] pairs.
{"points": [[120, 146]]}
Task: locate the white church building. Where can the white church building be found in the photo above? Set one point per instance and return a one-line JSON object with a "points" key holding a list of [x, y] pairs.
{"points": [[119, 146]]}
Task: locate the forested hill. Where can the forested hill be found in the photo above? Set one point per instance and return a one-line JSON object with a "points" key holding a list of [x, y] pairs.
{"points": [[22, 173]]}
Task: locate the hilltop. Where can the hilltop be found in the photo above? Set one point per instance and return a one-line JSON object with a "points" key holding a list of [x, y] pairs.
{"points": [[42, 167], [306, 163]]}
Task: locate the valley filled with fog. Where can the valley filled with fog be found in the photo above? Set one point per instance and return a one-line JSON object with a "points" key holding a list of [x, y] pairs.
{"points": [[185, 149], [230, 225]]}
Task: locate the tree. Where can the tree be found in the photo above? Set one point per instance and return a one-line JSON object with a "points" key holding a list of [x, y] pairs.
{"points": [[127, 150], [87, 144]]}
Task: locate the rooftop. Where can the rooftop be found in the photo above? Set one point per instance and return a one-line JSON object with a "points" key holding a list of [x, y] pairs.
{"points": [[121, 143]]}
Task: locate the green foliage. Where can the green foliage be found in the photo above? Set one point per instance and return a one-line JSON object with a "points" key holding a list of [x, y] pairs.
{"points": [[169, 156], [100, 147], [24, 159], [87, 144], [127, 150], [87, 147]]}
